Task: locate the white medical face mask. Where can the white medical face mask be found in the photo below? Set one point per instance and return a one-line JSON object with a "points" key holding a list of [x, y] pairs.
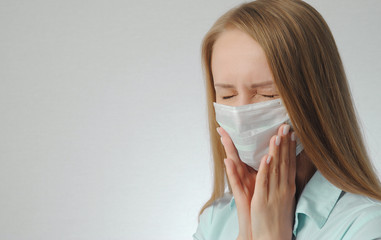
{"points": [[251, 127]]}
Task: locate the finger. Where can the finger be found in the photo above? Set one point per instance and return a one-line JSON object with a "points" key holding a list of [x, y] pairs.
{"points": [[292, 169], [284, 155], [262, 179], [274, 164], [231, 151], [242, 203], [235, 181]]}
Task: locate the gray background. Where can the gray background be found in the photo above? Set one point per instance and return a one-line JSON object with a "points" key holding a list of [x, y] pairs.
{"points": [[103, 131]]}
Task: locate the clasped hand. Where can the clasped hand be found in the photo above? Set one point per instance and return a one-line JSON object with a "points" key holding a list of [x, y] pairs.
{"points": [[265, 199]]}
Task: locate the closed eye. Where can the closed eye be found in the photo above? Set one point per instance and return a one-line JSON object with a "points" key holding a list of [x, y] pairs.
{"points": [[227, 97], [269, 96]]}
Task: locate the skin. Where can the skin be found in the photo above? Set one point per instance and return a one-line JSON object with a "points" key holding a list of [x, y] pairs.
{"points": [[265, 199]]}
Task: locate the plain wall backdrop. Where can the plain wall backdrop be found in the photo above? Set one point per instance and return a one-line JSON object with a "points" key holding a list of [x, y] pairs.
{"points": [[103, 128]]}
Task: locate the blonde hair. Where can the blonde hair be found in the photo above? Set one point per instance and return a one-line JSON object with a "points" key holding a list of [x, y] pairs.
{"points": [[309, 74]]}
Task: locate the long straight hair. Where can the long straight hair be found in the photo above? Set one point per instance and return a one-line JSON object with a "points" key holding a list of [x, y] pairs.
{"points": [[309, 74]]}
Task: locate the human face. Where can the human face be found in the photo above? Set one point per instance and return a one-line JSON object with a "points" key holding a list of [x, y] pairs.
{"points": [[240, 70]]}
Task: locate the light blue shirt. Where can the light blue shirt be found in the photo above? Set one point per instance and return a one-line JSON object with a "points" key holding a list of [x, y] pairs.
{"points": [[322, 212]]}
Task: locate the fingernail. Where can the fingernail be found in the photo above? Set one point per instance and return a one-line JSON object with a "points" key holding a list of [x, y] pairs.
{"points": [[286, 129], [277, 140], [221, 141], [218, 131], [268, 159], [293, 138]]}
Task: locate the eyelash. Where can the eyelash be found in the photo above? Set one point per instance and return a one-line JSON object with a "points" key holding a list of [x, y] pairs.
{"points": [[227, 97], [268, 96]]}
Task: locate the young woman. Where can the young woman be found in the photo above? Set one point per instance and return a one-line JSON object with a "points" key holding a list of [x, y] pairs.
{"points": [[283, 131]]}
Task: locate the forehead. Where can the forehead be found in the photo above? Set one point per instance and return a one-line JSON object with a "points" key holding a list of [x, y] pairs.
{"points": [[237, 56]]}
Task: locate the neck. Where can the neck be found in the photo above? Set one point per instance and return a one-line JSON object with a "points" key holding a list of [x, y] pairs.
{"points": [[304, 172]]}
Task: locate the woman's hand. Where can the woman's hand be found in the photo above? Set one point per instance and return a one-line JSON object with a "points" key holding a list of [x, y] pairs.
{"points": [[273, 203], [242, 181], [267, 212]]}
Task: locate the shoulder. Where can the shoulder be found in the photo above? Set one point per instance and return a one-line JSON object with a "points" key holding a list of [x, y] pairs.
{"points": [[363, 214], [360, 205], [214, 217], [222, 204]]}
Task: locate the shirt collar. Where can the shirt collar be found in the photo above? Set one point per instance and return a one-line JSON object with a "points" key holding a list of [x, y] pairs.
{"points": [[317, 201], [232, 202]]}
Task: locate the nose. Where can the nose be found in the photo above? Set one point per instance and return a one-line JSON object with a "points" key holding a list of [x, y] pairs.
{"points": [[244, 99]]}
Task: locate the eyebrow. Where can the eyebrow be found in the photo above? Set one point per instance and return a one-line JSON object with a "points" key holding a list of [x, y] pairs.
{"points": [[261, 84]]}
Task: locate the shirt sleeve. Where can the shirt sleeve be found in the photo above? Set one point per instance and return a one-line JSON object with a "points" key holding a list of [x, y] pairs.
{"points": [[204, 224]]}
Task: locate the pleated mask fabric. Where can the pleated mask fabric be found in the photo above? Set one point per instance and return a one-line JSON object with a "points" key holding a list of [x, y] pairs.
{"points": [[251, 127]]}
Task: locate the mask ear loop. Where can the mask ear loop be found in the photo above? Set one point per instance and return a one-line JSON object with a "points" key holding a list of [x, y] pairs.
{"points": [[289, 123], [299, 145]]}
